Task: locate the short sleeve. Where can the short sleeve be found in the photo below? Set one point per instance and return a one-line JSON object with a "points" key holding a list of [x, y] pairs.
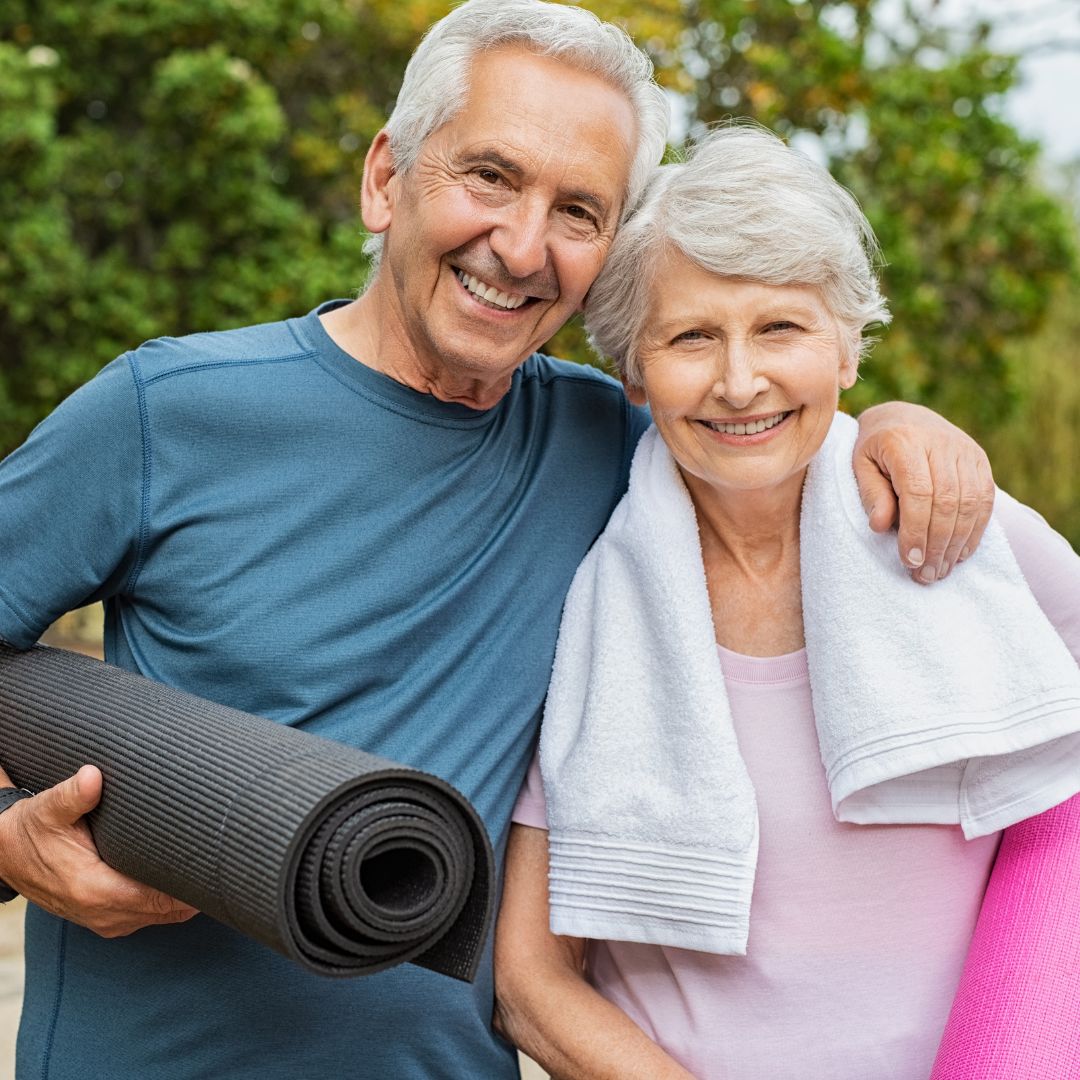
{"points": [[1050, 566], [70, 502], [531, 808]]}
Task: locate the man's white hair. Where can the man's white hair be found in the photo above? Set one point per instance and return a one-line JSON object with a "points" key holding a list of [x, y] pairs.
{"points": [[742, 205], [437, 77]]}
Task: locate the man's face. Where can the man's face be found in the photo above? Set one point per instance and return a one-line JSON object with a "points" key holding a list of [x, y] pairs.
{"points": [[502, 224]]}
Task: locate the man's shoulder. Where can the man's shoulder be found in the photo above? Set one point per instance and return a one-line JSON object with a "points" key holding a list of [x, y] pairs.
{"points": [[250, 346], [590, 391], [549, 370]]}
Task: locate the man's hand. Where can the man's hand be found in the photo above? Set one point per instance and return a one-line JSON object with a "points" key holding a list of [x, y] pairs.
{"points": [[939, 474], [48, 855]]}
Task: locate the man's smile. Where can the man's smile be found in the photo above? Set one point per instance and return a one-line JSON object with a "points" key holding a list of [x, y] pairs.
{"points": [[490, 295]]}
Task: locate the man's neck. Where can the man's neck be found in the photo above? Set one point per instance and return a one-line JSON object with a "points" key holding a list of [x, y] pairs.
{"points": [[362, 330]]}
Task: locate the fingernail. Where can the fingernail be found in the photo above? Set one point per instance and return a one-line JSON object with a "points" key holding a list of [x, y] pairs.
{"points": [[915, 557], [944, 569], [927, 575], [965, 553]]}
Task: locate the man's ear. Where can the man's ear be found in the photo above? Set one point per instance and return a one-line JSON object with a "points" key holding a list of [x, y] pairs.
{"points": [[376, 189]]}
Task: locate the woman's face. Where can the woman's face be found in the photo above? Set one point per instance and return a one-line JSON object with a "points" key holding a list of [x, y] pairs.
{"points": [[742, 378]]}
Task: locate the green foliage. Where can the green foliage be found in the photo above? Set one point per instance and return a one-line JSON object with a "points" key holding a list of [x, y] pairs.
{"points": [[175, 165], [1036, 452], [974, 247], [171, 166]]}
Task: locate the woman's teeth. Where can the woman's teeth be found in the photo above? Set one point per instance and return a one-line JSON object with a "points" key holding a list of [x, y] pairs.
{"points": [[489, 294], [753, 428]]}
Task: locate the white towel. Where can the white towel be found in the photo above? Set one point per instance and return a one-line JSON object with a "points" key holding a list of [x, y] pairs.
{"points": [[952, 704]]}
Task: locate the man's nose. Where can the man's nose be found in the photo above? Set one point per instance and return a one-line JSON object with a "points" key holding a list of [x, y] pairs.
{"points": [[520, 239]]}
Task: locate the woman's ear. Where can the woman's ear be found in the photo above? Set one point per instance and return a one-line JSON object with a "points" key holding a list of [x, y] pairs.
{"points": [[849, 366], [636, 394], [376, 189]]}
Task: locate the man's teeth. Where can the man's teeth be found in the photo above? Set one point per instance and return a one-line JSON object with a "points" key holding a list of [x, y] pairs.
{"points": [[752, 428], [489, 294]]}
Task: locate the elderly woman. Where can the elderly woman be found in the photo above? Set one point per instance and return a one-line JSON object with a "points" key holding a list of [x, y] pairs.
{"points": [[774, 782]]}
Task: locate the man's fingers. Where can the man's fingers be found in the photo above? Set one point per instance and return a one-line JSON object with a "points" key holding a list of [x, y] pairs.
{"points": [[69, 800], [910, 475], [130, 906], [51, 859], [944, 513], [876, 493], [976, 504]]}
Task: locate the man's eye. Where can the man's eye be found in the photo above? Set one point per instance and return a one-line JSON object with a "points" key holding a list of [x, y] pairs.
{"points": [[579, 213], [489, 176]]}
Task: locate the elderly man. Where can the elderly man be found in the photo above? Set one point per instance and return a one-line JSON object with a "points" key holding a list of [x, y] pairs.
{"points": [[362, 522]]}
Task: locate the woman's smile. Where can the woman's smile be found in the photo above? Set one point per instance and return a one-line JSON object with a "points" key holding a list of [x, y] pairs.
{"points": [[747, 430], [742, 377]]}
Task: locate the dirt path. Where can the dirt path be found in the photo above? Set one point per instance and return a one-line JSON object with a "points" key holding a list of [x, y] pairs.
{"points": [[11, 982]]}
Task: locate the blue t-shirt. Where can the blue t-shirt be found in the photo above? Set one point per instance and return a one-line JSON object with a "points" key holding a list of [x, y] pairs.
{"points": [[277, 527]]}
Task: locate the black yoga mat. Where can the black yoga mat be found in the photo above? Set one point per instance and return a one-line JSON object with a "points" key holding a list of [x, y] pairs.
{"points": [[344, 862]]}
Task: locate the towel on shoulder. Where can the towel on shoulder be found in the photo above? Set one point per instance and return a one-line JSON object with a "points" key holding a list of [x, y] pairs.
{"points": [[956, 704]]}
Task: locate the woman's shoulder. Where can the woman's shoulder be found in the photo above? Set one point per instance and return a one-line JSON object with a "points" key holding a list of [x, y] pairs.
{"points": [[1048, 562]]}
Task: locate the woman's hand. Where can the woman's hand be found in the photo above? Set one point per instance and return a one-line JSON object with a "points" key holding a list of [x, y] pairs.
{"points": [[913, 464], [543, 1003]]}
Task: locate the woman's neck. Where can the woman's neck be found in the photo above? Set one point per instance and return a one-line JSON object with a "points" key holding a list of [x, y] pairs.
{"points": [[750, 548]]}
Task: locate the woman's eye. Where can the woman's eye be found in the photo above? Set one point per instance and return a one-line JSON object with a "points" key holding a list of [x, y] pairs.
{"points": [[689, 335], [781, 325]]}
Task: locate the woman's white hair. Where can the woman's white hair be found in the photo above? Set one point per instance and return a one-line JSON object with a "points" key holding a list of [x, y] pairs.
{"points": [[743, 205], [437, 77]]}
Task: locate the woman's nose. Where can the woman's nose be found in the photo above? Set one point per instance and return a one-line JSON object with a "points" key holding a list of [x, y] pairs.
{"points": [[739, 382]]}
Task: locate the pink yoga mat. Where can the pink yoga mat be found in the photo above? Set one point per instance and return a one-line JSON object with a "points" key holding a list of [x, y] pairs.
{"points": [[1016, 1015]]}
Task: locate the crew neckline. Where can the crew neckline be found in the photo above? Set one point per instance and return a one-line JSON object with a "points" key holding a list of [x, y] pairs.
{"points": [[763, 670], [380, 389]]}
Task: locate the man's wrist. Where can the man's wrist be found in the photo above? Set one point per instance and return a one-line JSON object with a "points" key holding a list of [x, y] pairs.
{"points": [[8, 797]]}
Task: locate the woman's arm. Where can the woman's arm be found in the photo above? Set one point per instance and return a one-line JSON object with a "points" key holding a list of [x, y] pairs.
{"points": [[543, 1003], [1014, 1014]]}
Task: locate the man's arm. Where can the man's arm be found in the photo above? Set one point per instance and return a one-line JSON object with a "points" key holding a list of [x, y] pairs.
{"points": [[914, 466], [70, 533], [543, 1003], [48, 855]]}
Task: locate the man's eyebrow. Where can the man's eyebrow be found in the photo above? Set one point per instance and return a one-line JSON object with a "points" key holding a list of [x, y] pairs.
{"points": [[490, 156], [486, 156]]}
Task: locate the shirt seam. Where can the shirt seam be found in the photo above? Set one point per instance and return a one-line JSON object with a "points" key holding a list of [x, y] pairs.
{"points": [[147, 462], [9, 605], [212, 364]]}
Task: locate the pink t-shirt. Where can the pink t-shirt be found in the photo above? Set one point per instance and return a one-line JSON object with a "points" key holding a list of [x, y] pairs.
{"points": [[857, 933]]}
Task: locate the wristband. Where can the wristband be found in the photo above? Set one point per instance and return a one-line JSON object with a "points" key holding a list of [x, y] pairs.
{"points": [[9, 796]]}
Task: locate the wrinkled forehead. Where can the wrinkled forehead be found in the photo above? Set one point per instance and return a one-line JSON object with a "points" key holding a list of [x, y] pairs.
{"points": [[545, 111]]}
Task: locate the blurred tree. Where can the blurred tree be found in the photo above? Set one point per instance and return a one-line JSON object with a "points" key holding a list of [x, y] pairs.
{"points": [[1036, 452], [906, 115], [168, 166], [171, 166]]}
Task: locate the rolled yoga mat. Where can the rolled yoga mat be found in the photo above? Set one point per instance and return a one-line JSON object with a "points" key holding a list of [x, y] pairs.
{"points": [[342, 861], [1016, 1014]]}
